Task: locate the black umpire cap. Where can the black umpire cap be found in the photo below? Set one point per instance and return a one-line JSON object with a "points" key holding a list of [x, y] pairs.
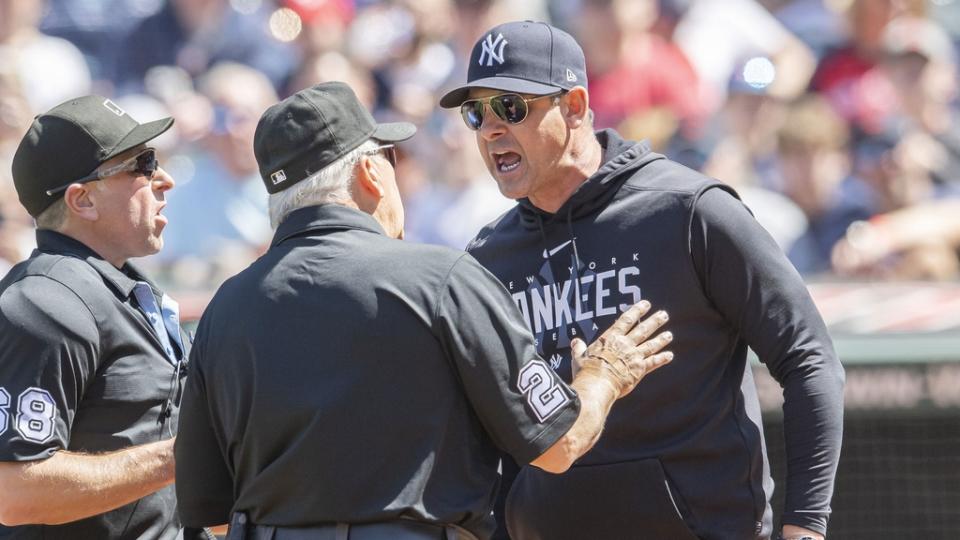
{"points": [[313, 128], [526, 57], [69, 142]]}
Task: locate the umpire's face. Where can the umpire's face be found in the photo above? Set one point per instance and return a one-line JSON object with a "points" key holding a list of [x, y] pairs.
{"points": [[125, 207]]}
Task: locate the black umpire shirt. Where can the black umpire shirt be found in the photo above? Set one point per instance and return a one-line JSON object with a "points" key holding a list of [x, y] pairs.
{"points": [[81, 369], [349, 377]]}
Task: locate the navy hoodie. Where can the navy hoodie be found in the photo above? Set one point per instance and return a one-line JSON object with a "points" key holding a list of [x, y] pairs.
{"points": [[683, 455]]}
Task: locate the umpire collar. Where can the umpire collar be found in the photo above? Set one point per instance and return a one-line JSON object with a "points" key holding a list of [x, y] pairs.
{"points": [[325, 217], [122, 280]]}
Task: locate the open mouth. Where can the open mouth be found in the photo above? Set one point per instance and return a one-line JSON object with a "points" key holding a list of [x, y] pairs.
{"points": [[507, 161]]}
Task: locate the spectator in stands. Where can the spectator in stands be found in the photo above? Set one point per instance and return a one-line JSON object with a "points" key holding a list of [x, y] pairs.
{"points": [[406, 45], [847, 74], [196, 34], [335, 66], [324, 26], [219, 216], [896, 168], [815, 22], [322, 44], [841, 68], [921, 241], [97, 28], [921, 65], [814, 166], [739, 146], [635, 74], [716, 36], [49, 70]]}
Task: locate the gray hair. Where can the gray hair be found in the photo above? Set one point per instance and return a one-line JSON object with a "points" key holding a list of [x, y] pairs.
{"points": [[53, 217], [328, 185]]}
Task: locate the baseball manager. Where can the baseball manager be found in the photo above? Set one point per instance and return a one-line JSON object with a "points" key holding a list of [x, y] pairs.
{"points": [[602, 222]]}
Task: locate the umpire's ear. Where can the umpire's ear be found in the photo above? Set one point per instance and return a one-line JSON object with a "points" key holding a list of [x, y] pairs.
{"points": [[575, 106], [368, 188], [80, 203]]}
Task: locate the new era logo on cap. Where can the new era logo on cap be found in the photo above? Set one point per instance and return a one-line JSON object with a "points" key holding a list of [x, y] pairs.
{"points": [[492, 50], [571, 76], [278, 177]]}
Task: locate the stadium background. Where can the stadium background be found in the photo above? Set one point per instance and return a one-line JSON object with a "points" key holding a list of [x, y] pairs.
{"points": [[835, 119]]}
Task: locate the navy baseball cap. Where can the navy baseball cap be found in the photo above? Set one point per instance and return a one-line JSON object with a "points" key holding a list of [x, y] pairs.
{"points": [[526, 57]]}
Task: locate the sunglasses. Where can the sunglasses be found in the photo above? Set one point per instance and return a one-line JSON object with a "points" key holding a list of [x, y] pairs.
{"points": [[143, 164], [511, 108], [389, 151]]}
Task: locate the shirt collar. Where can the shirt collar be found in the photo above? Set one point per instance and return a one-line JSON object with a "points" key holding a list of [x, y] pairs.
{"points": [[324, 217], [121, 279]]}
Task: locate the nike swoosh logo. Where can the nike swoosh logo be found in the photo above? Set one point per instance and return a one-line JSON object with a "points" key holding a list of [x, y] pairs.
{"points": [[548, 254]]}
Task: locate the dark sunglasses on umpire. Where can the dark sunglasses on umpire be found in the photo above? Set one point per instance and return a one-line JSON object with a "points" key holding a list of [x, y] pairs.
{"points": [[143, 164], [511, 108], [389, 151]]}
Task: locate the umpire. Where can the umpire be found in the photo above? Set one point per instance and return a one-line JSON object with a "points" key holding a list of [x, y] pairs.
{"points": [[90, 349], [350, 385]]}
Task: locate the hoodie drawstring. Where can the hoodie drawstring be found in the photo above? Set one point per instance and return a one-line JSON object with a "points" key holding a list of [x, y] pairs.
{"points": [[575, 274]]}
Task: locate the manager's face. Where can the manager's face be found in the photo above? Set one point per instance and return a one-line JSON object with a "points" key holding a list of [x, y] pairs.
{"points": [[522, 157]]}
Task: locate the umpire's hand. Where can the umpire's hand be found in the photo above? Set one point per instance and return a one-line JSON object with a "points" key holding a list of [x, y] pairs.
{"points": [[623, 355]]}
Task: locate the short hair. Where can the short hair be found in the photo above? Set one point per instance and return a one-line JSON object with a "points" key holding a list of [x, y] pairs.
{"points": [[53, 217], [330, 184], [812, 123]]}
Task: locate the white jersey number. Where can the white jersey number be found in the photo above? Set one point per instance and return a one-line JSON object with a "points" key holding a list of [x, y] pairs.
{"points": [[543, 396], [35, 421], [4, 415], [36, 414]]}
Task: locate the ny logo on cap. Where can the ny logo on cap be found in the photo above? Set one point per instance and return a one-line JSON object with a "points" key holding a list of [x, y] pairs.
{"points": [[278, 177], [113, 107], [489, 45]]}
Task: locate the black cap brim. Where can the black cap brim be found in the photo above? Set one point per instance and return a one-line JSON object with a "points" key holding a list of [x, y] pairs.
{"points": [[139, 135], [394, 131], [457, 96]]}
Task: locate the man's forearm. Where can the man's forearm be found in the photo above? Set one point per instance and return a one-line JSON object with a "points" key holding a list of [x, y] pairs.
{"points": [[68, 486], [596, 398]]}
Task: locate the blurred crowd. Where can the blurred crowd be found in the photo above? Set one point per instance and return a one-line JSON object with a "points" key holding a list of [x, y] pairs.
{"points": [[836, 120]]}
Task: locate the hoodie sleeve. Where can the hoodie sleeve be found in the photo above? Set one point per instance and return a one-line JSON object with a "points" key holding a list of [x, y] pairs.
{"points": [[753, 285]]}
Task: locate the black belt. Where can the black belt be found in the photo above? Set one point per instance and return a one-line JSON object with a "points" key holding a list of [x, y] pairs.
{"points": [[400, 529]]}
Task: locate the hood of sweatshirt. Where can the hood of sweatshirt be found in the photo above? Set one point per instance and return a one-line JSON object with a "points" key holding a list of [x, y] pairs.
{"points": [[620, 159]]}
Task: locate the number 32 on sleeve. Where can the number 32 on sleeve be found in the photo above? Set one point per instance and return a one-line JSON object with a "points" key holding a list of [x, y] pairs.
{"points": [[36, 413]]}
